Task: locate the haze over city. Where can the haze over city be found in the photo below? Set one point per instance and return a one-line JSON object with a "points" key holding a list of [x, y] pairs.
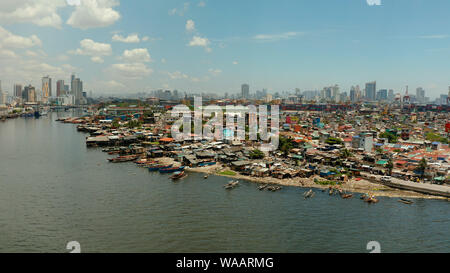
{"points": [[119, 47]]}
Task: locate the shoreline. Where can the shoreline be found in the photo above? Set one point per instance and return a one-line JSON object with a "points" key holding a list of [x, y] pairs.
{"points": [[362, 186]]}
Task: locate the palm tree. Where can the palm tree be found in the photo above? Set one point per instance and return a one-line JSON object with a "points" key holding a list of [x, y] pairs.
{"points": [[422, 166]]}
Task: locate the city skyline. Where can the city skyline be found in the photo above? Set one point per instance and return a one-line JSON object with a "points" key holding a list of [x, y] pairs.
{"points": [[191, 46]]}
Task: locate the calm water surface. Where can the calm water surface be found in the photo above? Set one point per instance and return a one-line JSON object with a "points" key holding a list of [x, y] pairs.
{"points": [[54, 190]]}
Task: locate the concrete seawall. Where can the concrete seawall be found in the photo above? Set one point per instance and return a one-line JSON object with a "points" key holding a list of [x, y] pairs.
{"points": [[419, 187]]}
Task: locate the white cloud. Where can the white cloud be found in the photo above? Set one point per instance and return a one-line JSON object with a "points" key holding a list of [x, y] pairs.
{"points": [[190, 25], [215, 72], [38, 12], [201, 42], [277, 37], [94, 13], [201, 4], [180, 11], [132, 38], [177, 75], [97, 59], [96, 50], [137, 55], [235, 62], [163, 60], [374, 2], [10, 40], [131, 70]]}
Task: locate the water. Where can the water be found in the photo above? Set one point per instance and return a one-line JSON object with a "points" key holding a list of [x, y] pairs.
{"points": [[54, 190]]}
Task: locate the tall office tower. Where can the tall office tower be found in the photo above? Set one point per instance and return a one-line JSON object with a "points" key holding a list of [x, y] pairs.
{"points": [[72, 79], [382, 94], [448, 97], [29, 94], [353, 94], [245, 91], [18, 90], [391, 95], [335, 93], [371, 88], [46, 88], [60, 90], [420, 95]]}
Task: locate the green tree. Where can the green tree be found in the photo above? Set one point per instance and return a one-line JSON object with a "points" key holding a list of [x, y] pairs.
{"points": [[390, 166], [333, 140], [392, 138], [345, 153], [256, 154], [422, 166], [285, 145]]}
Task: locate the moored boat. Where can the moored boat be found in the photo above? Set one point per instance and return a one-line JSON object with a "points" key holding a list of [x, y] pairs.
{"points": [[171, 170], [126, 158], [405, 201], [178, 175], [157, 167]]}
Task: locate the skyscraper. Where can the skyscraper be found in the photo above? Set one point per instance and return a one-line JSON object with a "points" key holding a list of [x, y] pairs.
{"points": [[60, 90], [420, 95], [245, 89], [382, 94], [18, 90], [29, 94], [77, 89], [46, 88], [371, 88]]}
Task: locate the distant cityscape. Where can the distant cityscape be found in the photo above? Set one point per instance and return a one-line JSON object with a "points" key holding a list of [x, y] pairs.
{"points": [[72, 94]]}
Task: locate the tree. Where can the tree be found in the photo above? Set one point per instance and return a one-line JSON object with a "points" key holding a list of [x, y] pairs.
{"points": [[390, 166], [345, 153], [392, 138], [256, 154], [285, 145], [422, 166]]}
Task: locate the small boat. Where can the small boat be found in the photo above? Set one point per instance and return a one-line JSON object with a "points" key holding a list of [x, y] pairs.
{"points": [[231, 185], [371, 199], [262, 187], [405, 201], [205, 177], [178, 175], [157, 167], [346, 196], [171, 170], [309, 194], [121, 159], [274, 188]]}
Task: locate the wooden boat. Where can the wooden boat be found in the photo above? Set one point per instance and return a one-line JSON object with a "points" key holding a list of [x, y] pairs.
{"points": [[346, 196], [157, 167], [178, 175], [171, 170], [309, 194], [231, 185], [125, 158], [274, 188], [262, 187], [205, 177], [405, 201], [371, 200]]}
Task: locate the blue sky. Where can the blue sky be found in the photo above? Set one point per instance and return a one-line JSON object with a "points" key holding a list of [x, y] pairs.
{"points": [[215, 46]]}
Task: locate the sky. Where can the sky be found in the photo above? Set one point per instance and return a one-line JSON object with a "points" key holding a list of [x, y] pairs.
{"points": [[214, 46]]}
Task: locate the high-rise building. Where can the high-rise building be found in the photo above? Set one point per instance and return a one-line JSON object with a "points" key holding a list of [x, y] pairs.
{"points": [[371, 88], [382, 94], [245, 91], [29, 94], [46, 88], [60, 88], [77, 89], [17, 90], [391, 95], [420, 95]]}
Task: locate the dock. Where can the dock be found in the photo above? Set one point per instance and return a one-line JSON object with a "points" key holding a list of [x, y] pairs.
{"points": [[432, 189]]}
